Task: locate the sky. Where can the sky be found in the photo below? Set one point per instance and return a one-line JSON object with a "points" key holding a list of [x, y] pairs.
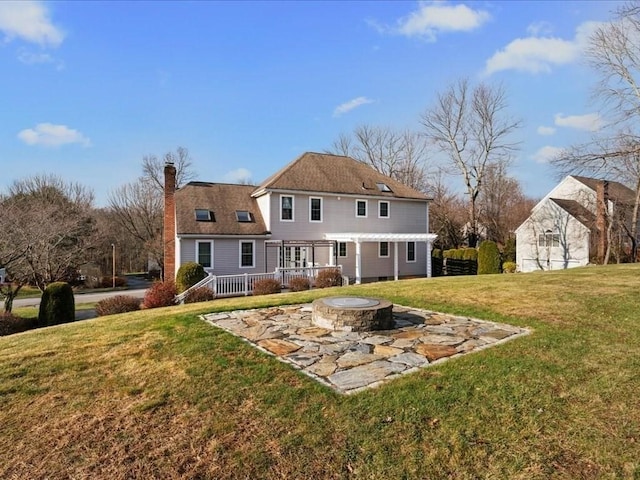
{"points": [[88, 89]]}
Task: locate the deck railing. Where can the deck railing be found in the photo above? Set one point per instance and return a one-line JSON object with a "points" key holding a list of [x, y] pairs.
{"points": [[242, 284]]}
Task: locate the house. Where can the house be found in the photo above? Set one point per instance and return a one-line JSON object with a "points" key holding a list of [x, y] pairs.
{"points": [[581, 220], [321, 209]]}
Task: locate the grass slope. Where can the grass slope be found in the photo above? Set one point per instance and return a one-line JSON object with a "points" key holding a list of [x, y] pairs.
{"points": [[160, 394]]}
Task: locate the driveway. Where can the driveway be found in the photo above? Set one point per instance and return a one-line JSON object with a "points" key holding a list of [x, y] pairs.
{"points": [[81, 298]]}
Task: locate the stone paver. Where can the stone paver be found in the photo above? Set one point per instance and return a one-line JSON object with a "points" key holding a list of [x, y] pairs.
{"points": [[351, 361]]}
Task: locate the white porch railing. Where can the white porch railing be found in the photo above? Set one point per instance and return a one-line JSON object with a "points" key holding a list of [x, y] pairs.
{"points": [[242, 284]]}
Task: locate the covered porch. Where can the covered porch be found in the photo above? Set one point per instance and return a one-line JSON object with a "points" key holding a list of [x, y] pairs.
{"points": [[392, 238]]}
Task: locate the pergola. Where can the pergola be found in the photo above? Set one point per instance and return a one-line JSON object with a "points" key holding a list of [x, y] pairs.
{"points": [[395, 238]]}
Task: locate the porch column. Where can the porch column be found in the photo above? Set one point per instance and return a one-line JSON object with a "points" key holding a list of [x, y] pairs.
{"points": [[332, 263], [429, 258], [395, 261], [358, 263]]}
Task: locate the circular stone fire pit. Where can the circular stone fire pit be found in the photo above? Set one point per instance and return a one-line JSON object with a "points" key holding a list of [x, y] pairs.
{"points": [[352, 314]]}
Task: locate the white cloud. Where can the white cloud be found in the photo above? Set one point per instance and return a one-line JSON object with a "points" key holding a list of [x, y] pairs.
{"points": [[539, 28], [590, 122], [239, 175], [50, 135], [539, 54], [433, 18], [350, 105], [542, 130], [29, 21], [546, 153], [30, 58]]}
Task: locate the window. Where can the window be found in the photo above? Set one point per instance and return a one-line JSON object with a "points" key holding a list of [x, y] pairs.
{"points": [[315, 209], [383, 209], [411, 252], [361, 208], [549, 239], [243, 216], [247, 259], [204, 253], [383, 249], [286, 208], [295, 257], [342, 249], [383, 187], [203, 215]]}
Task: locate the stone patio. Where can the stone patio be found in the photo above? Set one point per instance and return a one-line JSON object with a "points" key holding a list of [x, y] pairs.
{"points": [[349, 362]]}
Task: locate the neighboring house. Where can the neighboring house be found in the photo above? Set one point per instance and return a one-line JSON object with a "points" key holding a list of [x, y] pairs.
{"points": [[321, 209], [574, 224]]}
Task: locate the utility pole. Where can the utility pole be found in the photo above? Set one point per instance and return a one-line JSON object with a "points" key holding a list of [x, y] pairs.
{"points": [[113, 255]]}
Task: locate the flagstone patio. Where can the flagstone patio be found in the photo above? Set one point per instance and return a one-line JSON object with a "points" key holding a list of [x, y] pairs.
{"points": [[352, 361]]}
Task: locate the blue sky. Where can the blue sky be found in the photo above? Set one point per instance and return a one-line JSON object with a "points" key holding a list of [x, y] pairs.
{"points": [[89, 88]]}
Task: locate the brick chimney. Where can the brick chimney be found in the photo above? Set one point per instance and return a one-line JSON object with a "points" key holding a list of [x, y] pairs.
{"points": [[169, 228], [602, 218]]}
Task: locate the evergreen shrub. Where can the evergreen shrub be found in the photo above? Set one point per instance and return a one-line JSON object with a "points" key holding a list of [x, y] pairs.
{"points": [[436, 253], [509, 251], [509, 267], [470, 254], [488, 258], [57, 305], [188, 275]]}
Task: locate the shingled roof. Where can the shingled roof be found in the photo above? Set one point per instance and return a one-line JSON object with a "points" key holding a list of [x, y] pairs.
{"points": [[618, 193], [323, 172], [223, 200], [577, 211]]}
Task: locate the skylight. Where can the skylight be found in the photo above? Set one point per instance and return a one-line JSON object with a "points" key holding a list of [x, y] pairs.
{"points": [[203, 215], [383, 187], [243, 216]]}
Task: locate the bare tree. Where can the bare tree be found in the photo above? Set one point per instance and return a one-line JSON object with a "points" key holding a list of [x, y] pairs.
{"points": [[471, 126], [446, 214], [45, 232], [138, 206], [401, 155]]}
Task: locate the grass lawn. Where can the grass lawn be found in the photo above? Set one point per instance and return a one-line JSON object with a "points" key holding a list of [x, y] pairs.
{"points": [[161, 394]]}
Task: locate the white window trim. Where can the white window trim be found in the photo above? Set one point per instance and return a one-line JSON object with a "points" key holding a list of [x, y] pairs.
{"points": [[210, 242], [380, 202], [388, 250], [293, 208], [346, 250], [415, 253], [321, 210], [253, 254], [366, 208]]}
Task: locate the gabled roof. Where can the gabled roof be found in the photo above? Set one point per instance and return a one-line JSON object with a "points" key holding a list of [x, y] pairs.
{"points": [[577, 211], [223, 200], [618, 193], [323, 172]]}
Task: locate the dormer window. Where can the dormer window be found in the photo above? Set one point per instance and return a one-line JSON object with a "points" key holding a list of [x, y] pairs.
{"points": [[243, 216], [203, 215], [383, 187]]}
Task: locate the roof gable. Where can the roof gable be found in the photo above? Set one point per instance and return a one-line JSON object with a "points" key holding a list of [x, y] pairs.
{"points": [[323, 172], [618, 193], [223, 200]]}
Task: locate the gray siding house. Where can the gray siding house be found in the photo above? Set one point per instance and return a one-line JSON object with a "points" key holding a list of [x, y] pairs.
{"points": [[319, 210]]}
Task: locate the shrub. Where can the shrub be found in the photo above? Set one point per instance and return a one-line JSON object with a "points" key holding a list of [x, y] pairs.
{"points": [[188, 275], [488, 258], [454, 253], [509, 251], [509, 267], [470, 254], [160, 294], [331, 277], [299, 284], [10, 324], [107, 282], [266, 286], [436, 253], [117, 304], [57, 305], [202, 294]]}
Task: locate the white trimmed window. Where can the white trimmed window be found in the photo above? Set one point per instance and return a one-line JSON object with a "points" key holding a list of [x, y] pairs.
{"points": [[315, 209], [411, 252], [383, 209], [383, 249], [549, 239], [286, 208], [342, 249], [247, 254], [204, 253], [361, 208]]}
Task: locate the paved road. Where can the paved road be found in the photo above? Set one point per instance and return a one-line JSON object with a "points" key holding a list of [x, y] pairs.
{"points": [[83, 297]]}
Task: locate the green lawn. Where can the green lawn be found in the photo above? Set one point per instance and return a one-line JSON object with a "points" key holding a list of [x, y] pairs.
{"points": [[161, 394]]}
